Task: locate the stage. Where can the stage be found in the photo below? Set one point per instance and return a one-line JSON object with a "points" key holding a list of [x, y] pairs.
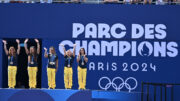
{"points": [[126, 45], [65, 95]]}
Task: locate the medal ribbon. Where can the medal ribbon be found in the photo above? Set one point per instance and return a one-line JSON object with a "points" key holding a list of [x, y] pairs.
{"points": [[52, 58], [32, 58], [11, 58], [69, 60], [82, 58]]}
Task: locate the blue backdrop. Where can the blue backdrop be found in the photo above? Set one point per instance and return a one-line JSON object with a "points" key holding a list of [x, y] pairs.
{"points": [[53, 23]]}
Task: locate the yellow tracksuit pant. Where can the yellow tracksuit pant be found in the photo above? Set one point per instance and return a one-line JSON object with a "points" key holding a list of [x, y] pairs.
{"points": [[32, 73], [82, 77], [51, 73], [68, 74], [12, 70]]}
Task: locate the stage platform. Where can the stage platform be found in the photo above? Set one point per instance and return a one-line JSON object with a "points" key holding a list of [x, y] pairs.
{"points": [[65, 95]]}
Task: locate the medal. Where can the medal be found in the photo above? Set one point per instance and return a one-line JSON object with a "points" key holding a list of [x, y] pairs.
{"points": [[52, 63], [82, 63], [11, 63]]}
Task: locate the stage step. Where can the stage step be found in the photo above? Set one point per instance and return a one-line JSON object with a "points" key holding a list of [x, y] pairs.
{"points": [[65, 95]]}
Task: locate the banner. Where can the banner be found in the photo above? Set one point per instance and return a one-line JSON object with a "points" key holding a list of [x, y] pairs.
{"points": [[119, 64]]}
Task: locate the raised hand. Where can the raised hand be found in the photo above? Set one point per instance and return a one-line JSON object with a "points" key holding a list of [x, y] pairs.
{"points": [[17, 40], [4, 41], [45, 48], [26, 40], [61, 45], [36, 40], [18, 50], [74, 45], [5, 47]]}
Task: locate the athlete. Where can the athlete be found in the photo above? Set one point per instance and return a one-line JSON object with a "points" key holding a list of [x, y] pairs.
{"points": [[68, 71], [12, 62], [32, 62], [52, 66], [82, 68]]}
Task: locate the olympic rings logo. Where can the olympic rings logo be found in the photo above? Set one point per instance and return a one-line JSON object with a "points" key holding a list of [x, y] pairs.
{"points": [[118, 87]]}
